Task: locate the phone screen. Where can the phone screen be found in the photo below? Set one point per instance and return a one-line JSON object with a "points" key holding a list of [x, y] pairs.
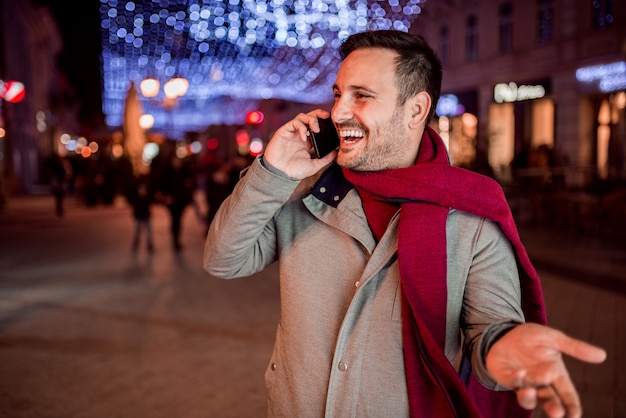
{"points": [[326, 139]]}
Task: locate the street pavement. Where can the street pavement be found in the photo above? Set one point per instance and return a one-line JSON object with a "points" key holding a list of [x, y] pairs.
{"points": [[90, 329]]}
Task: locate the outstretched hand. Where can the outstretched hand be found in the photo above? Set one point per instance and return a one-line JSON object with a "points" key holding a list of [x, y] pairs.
{"points": [[289, 150], [528, 359]]}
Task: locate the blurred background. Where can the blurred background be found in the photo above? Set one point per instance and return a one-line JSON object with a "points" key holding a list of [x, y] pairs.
{"points": [[133, 119], [533, 95]]}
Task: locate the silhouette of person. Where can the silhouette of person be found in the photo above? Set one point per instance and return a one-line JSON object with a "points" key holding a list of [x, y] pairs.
{"points": [[59, 171], [141, 199], [217, 183], [177, 185]]}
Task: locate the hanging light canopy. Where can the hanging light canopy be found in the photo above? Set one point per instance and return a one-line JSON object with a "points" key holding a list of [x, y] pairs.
{"points": [[234, 53]]}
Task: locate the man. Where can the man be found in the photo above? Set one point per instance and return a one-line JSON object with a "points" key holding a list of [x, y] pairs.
{"points": [[389, 258]]}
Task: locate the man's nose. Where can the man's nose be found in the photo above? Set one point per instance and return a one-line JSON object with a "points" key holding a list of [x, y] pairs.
{"points": [[341, 111]]}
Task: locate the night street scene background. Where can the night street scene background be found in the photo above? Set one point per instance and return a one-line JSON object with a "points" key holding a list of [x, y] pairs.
{"points": [[102, 317]]}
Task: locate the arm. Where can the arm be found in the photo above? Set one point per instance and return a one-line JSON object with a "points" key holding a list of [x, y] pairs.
{"points": [[241, 240], [525, 357], [491, 297]]}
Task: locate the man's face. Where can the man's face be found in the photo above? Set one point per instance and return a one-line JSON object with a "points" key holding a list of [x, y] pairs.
{"points": [[373, 128]]}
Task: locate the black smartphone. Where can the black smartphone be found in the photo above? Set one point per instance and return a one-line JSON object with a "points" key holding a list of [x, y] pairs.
{"points": [[326, 139]]}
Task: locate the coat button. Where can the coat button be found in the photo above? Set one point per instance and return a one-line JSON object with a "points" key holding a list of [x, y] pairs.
{"points": [[343, 366], [322, 189], [273, 366], [357, 284]]}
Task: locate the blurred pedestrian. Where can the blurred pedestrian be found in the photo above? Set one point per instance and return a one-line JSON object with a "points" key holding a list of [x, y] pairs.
{"points": [[141, 199], [217, 183], [58, 170], [177, 185]]}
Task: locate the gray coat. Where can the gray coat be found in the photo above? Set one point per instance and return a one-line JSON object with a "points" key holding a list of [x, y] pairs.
{"points": [[338, 349]]}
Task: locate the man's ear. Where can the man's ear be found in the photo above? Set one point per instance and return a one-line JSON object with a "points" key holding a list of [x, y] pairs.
{"points": [[419, 106]]}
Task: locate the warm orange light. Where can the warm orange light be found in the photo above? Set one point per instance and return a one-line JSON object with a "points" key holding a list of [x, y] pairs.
{"points": [[146, 121], [149, 87], [176, 87]]}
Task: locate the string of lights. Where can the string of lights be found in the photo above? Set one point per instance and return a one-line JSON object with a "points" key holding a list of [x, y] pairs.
{"points": [[234, 53]]}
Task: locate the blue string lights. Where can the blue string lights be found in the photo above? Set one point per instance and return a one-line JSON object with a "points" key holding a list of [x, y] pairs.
{"points": [[234, 53]]}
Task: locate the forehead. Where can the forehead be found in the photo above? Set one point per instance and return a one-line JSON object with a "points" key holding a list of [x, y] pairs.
{"points": [[368, 67]]}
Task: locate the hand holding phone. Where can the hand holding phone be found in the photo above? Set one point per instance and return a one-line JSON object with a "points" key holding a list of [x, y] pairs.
{"points": [[326, 140]]}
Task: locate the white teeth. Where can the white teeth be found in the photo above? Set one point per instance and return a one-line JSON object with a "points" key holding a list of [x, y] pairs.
{"points": [[352, 133]]}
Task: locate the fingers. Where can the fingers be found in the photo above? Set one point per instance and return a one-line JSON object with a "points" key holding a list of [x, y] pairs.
{"points": [[289, 150], [302, 122], [565, 393], [550, 402], [553, 404], [317, 114], [582, 350], [573, 347], [553, 390], [527, 397]]}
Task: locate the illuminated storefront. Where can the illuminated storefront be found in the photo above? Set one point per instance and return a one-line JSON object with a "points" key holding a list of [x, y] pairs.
{"points": [[521, 119], [603, 88]]}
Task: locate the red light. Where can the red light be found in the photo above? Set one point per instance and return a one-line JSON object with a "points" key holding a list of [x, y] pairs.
{"points": [[242, 137], [12, 91], [255, 117], [212, 144]]}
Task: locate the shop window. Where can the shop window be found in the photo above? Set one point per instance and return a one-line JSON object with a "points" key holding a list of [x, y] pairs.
{"points": [[610, 144], [459, 135], [506, 28], [602, 13], [471, 39], [545, 21], [501, 130], [603, 137], [542, 124]]}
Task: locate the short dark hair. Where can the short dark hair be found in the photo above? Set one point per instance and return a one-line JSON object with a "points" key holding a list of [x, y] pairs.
{"points": [[418, 67]]}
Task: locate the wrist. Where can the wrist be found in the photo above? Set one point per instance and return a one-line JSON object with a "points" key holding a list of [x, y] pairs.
{"points": [[493, 335], [274, 170]]}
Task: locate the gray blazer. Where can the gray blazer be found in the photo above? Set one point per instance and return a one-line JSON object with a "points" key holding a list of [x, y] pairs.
{"points": [[338, 348]]}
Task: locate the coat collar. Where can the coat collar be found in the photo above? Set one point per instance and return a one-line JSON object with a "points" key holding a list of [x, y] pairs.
{"points": [[332, 187]]}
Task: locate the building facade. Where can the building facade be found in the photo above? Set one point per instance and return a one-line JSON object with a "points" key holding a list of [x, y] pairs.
{"points": [[521, 76], [29, 43]]}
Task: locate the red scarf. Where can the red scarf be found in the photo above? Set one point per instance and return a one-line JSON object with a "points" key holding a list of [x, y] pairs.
{"points": [[425, 192]]}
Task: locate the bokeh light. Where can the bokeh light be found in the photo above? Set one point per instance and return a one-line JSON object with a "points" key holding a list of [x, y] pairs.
{"points": [[234, 53]]}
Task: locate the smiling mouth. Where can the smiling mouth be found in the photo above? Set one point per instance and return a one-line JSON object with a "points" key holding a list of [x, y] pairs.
{"points": [[349, 136]]}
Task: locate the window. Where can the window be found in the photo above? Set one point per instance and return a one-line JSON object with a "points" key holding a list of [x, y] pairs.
{"points": [[471, 39], [602, 13], [444, 45], [545, 21], [506, 28]]}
